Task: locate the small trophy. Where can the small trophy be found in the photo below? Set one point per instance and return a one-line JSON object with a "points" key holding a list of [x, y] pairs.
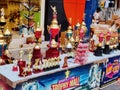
{"points": [[36, 66], [15, 67], [21, 63], [99, 51], [65, 63], [106, 50], [29, 72]]}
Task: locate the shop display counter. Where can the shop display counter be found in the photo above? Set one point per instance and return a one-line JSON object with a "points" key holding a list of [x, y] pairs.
{"points": [[95, 73]]}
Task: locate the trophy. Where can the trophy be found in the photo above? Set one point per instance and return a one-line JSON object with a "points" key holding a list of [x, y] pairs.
{"points": [[36, 50], [65, 64], [53, 30], [106, 49], [36, 66], [99, 51], [21, 63], [76, 34], [15, 67]]}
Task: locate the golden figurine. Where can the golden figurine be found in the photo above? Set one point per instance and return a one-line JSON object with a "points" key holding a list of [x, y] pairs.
{"points": [[67, 73], [36, 64]]}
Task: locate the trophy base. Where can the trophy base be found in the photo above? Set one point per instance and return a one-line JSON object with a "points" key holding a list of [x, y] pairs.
{"points": [[14, 68], [22, 75], [51, 68], [52, 52], [119, 46], [106, 50], [64, 66], [98, 51], [35, 71], [29, 73]]}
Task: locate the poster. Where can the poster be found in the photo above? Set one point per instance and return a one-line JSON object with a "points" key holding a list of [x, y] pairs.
{"points": [[110, 70], [80, 78]]}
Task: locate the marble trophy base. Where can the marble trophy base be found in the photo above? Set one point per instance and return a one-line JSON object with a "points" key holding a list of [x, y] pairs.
{"points": [[51, 68], [106, 50], [52, 52], [98, 51]]}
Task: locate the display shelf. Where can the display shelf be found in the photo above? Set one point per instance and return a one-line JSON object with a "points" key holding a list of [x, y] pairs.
{"points": [[12, 78]]}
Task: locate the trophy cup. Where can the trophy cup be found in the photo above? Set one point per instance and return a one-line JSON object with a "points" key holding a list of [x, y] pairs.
{"points": [[70, 42], [29, 72], [36, 50], [106, 50], [53, 30], [21, 63], [99, 51], [76, 34]]}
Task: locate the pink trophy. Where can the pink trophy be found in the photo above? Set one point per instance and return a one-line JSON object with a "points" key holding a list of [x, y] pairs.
{"points": [[99, 51]]}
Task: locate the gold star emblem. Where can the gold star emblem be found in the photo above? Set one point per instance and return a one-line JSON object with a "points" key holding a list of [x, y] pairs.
{"points": [[67, 73]]}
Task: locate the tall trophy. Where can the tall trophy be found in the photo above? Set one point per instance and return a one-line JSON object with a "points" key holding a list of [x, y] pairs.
{"points": [[69, 36], [53, 30], [36, 50], [106, 49]]}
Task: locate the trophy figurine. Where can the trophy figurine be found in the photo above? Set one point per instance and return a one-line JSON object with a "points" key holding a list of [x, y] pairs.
{"points": [[36, 66], [99, 51], [65, 64], [53, 30], [106, 50], [36, 50]]}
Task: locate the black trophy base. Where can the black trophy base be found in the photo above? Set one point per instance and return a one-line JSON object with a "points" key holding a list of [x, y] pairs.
{"points": [[51, 68], [98, 51], [119, 46], [106, 50]]}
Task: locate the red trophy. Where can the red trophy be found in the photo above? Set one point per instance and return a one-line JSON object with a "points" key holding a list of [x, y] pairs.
{"points": [[106, 50], [99, 51], [53, 30], [36, 50]]}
